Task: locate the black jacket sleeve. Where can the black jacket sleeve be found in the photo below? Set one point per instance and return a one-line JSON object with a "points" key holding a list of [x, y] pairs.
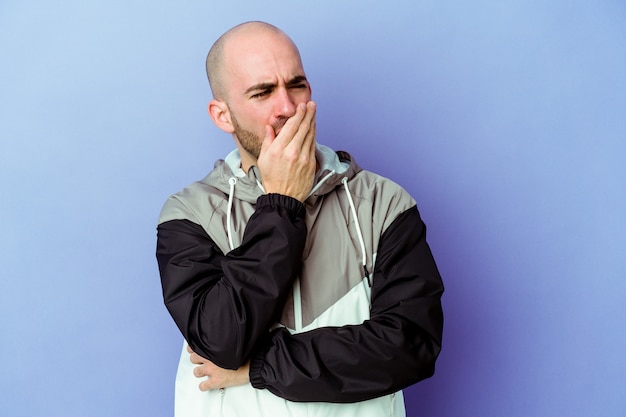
{"points": [[224, 303], [397, 347]]}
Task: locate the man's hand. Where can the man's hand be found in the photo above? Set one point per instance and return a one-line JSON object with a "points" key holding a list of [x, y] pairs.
{"points": [[217, 377], [287, 160]]}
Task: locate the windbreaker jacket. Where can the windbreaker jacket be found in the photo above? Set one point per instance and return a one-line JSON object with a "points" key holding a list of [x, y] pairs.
{"points": [[335, 302]]}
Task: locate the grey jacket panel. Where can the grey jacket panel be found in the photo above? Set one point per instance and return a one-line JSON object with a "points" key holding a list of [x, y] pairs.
{"points": [[332, 258]]}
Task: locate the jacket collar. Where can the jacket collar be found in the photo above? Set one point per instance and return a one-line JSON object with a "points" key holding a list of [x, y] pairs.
{"points": [[334, 166]]}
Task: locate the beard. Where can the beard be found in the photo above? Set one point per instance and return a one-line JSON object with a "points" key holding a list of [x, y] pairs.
{"points": [[248, 140], [251, 142]]}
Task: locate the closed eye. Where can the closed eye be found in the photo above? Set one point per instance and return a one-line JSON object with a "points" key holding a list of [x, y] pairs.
{"points": [[260, 90], [298, 82], [260, 94]]}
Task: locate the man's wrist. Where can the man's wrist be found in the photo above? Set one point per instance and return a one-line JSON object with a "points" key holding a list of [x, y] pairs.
{"points": [[281, 200], [256, 380]]}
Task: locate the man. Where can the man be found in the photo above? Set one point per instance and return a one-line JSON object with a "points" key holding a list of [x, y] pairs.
{"points": [[303, 285]]}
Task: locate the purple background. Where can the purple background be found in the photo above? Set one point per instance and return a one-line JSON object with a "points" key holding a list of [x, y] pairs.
{"points": [[506, 120]]}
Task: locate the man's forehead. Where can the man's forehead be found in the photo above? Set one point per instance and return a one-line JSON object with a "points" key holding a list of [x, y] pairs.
{"points": [[264, 65]]}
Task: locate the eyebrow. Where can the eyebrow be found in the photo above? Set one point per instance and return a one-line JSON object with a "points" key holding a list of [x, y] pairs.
{"points": [[296, 80], [268, 86]]}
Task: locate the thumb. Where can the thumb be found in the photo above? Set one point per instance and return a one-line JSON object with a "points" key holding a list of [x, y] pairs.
{"points": [[270, 135]]}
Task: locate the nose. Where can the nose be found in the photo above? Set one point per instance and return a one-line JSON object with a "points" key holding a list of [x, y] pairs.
{"points": [[285, 105]]}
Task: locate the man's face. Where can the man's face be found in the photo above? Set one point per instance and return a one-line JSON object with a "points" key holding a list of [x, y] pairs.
{"points": [[264, 82]]}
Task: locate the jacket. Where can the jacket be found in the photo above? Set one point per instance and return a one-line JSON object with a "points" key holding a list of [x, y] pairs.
{"points": [[336, 301]]}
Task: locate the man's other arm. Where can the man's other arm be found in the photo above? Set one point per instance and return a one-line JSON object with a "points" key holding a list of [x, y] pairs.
{"points": [[395, 348]]}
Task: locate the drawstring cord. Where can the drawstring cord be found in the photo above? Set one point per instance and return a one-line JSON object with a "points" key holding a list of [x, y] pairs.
{"points": [[232, 181], [258, 183], [321, 182], [231, 195], [344, 181]]}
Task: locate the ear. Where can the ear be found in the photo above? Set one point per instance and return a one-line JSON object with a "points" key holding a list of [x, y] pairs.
{"points": [[220, 114]]}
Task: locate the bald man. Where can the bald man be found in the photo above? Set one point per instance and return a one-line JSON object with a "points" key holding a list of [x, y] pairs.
{"points": [[265, 263]]}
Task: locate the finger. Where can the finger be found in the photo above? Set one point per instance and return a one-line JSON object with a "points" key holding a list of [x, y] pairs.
{"points": [[291, 127], [195, 358], [312, 142], [198, 372], [207, 385], [309, 141], [309, 119], [302, 137], [270, 135]]}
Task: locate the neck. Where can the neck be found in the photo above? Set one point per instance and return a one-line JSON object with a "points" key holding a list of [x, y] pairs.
{"points": [[247, 159]]}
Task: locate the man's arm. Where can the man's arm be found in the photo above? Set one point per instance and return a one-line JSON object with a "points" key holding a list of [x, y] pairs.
{"points": [[223, 303], [397, 347]]}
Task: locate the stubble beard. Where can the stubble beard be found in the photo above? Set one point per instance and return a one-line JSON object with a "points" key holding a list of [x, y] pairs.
{"points": [[249, 141]]}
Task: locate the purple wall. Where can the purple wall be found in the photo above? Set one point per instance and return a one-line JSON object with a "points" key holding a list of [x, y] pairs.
{"points": [[506, 121]]}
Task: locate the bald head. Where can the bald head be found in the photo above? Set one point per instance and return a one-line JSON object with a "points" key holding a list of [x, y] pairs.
{"points": [[226, 46]]}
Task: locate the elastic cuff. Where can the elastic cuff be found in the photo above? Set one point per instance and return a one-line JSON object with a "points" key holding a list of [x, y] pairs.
{"points": [[281, 200], [255, 374]]}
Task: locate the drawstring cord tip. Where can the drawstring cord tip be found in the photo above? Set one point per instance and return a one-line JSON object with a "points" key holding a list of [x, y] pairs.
{"points": [[367, 275]]}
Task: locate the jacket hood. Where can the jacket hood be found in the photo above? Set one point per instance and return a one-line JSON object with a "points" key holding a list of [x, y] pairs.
{"points": [[228, 176]]}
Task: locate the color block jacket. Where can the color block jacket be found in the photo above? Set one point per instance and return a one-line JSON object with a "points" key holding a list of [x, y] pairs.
{"points": [[336, 302]]}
